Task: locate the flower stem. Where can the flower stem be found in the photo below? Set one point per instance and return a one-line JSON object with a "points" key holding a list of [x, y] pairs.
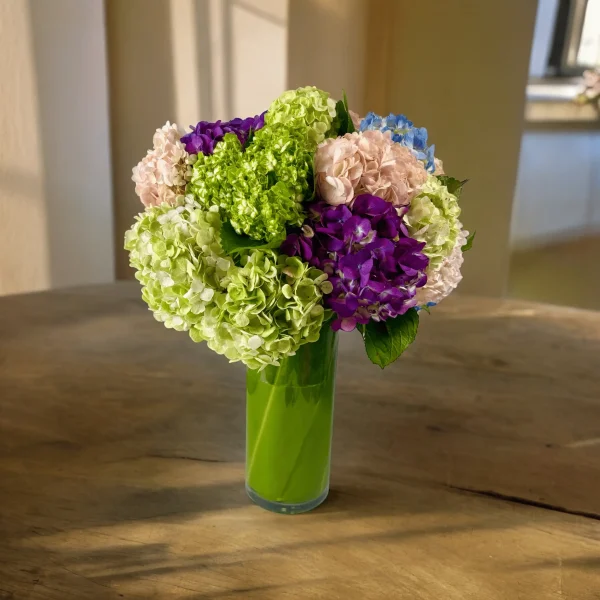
{"points": [[270, 402]]}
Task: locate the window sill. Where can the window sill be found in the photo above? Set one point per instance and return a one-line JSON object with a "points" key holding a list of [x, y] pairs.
{"points": [[550, 105], [553, 90]]}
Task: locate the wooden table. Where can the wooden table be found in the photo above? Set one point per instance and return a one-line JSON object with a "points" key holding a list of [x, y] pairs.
{"points": [[470, 469]]}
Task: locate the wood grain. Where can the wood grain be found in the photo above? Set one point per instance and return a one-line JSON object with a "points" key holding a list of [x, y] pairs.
{"points": [[468, 470]]}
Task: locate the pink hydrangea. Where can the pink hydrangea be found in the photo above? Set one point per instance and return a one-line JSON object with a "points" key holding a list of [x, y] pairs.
{"points": [[444, 280], [163, 173], [367, 163]]}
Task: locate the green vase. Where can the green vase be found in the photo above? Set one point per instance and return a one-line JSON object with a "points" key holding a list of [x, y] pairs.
{"points": [[289, 420]]}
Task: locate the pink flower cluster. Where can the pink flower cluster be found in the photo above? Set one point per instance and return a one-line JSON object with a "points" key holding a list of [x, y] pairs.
{"points": [[367, 163], [163, 173]]}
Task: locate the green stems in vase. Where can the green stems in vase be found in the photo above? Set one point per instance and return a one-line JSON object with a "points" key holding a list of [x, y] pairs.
{"points": [[289, 425]]}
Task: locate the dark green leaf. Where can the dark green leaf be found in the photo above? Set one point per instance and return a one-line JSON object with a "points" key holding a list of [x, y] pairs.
{"points": [[342, 116], [469, 243], [387, 340], [310, 180], [231, 241], [250, 137], [454, 185], [351, 128]]}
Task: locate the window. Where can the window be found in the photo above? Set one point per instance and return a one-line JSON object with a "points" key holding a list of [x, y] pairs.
{"points": [[576, 43]]}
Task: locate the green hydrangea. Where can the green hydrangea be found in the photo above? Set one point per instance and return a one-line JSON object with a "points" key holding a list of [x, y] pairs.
{"points": [[259, 189], [256, 312], [273, 306], [179, 262], [433, 218], [306, 107]]}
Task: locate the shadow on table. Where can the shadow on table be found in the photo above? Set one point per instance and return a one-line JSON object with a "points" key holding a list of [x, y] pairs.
{"points": [[121, 564], [111, 538]]}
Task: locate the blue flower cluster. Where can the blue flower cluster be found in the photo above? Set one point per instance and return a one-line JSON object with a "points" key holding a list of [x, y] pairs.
{"points": [[404, 132]]}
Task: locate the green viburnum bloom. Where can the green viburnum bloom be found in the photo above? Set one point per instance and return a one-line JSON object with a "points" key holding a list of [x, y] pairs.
{"points": [[259, 189], [433, 218], [256, 313], [308, 107]]}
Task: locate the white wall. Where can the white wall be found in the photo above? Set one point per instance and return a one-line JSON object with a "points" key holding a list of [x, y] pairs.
{"points": [[55, 181], [558, 187]]}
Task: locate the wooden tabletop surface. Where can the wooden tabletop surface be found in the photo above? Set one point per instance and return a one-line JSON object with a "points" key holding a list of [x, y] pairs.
{"points": [[470, 469]]}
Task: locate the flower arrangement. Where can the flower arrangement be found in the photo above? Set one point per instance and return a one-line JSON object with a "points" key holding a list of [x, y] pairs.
{"points": [[590, 94], [257, 233]]}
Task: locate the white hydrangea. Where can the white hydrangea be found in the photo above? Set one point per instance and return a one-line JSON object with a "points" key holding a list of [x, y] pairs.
{"points": [[443, 280]]}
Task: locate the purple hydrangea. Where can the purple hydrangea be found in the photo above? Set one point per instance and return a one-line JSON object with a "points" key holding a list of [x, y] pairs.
{"points": [[205, 135], [374, 266]]}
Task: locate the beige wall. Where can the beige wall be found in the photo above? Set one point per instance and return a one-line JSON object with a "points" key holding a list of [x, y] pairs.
{"points": [[55, 189], [459, 68], [141, 97], [327, 47], [24, 260]]}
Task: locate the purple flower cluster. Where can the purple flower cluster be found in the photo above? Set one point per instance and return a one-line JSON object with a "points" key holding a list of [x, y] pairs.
{"points": [[205, 135], [374, 266]]}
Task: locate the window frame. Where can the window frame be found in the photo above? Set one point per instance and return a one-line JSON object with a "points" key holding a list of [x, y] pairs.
{"points": [[568, 29]]}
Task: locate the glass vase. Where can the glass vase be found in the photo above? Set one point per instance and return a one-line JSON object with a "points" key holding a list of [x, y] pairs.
{"points": [[289, 420]]}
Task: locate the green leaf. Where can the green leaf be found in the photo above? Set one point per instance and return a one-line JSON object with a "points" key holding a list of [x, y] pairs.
{"points": [[351, 128], [454, 185], [341, 118], [345, 124], [250, 137], [232, 242], [469, 243], [310, 180], [385, 341]]}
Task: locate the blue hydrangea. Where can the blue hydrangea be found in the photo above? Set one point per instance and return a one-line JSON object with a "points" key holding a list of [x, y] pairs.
{"points": [[404, 132]]}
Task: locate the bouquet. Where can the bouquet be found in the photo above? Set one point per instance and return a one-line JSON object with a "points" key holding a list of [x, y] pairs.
{"points": [[590, 93], [257, 233]]}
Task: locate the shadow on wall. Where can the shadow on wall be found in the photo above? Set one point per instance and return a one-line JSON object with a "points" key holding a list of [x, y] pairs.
{"points": [[68, 39], [55, 183], [141, 98]]}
